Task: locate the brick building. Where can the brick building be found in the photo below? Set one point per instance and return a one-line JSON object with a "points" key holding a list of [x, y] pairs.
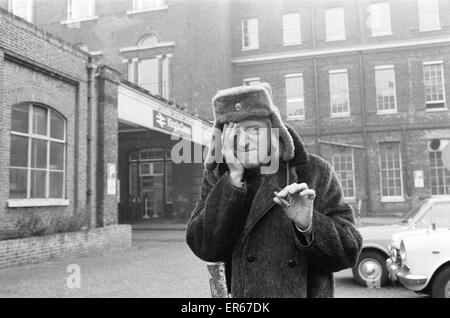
{"points": [[364, 82], [51, 145]]}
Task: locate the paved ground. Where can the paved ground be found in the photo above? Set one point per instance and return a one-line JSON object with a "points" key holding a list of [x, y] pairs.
{"points": [[159, 265]]}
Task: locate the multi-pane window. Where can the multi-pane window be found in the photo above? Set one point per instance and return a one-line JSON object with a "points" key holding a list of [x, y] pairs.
{"points": [[439, 175], [428, 15], [292, 33], [380, 18], [80, 9], [252, 81], [335, 24], [343, 164], [433, 77], [391, 170], [339, 93], [385, 87], [250, 36], [295, 104], [22, 8], [38, 147], [141, 5]]}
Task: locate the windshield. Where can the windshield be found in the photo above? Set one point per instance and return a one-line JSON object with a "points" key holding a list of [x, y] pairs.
{"points": [[412, 214]]}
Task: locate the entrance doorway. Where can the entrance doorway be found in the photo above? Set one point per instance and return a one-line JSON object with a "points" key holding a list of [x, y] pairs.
{"points": [[151, 182]]}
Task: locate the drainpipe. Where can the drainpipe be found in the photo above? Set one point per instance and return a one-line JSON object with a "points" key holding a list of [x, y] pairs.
{"points": [[91, 68], [364, 128], [316, 84]]}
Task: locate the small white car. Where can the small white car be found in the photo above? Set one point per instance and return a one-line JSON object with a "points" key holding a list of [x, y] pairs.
{"points": [[420, 261], [370, 270]]}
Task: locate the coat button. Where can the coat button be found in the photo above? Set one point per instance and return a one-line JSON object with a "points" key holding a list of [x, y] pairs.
{"points": [[251, 258], [292, 263]]}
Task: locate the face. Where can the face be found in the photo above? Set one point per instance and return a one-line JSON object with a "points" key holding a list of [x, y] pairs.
{"points": [[251, 136]]}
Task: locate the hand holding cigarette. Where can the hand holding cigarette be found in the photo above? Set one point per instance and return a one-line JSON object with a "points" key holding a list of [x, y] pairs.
{"points": [[297, 201]]}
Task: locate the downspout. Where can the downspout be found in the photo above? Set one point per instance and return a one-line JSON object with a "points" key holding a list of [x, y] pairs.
{"points": [[364, 129], [316, 84], [90, 122]]}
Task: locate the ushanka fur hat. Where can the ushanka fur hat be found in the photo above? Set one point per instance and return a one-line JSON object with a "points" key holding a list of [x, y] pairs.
{"points": [[251, 102]]}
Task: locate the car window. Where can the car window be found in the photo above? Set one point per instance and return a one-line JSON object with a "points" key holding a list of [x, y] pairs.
{"points": [[425, 220], [440, 215]]}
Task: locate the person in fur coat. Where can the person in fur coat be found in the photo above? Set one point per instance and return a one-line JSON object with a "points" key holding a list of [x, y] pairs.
{"points": [[280, 234]]}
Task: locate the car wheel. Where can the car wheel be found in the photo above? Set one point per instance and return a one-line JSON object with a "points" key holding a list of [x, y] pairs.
{"points": [[370, 270], [440, 287]]}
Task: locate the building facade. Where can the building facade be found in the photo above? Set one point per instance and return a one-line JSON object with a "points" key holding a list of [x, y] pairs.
{"points": [[52, 147], [364, 82]]}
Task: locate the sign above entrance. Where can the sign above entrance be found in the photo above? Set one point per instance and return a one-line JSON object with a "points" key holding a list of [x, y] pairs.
{"points": [[171, 124]]}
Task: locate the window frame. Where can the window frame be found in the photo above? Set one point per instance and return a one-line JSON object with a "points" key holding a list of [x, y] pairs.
{"points": [[396, 198], [436, 16], [386, 111], [372, 20], [298, 99], [444, 100], [342, 114], [243, 35], [71, 19], [327, 26], [296, 28], [30, 17], [352, 198], [47, 201], [248, 81], [135, 9]]}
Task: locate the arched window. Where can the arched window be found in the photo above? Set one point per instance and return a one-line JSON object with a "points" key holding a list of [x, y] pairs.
{"points": [[149, 40], [38, 152]]}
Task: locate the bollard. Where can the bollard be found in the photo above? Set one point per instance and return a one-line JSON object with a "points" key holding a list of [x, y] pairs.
{"points": [[218, 280]]}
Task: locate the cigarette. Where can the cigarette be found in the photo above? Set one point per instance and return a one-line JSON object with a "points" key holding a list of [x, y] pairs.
{"points": [[285, 202]]}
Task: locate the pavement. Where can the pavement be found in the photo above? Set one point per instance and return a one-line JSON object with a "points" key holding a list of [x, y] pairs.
{"points": [[181, 226], [159, 265]]}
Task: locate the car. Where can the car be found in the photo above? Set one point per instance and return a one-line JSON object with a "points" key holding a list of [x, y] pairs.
{"points": [[370, 269], [421, 261]]}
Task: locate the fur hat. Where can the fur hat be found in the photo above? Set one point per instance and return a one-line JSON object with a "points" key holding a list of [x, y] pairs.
{"points": [[244, 102]]}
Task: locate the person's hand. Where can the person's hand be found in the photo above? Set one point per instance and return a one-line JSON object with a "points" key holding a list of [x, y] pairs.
{"points": [[297, 201], [235, 166]]}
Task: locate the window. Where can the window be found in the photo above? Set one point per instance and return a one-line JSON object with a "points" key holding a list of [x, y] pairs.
{"points": [[291, 29], [428, 15], [335, 24], [385, 87], [149, 75], [143, 5], [380, 19], [433, 77], [344, 167], [252, 81], [391, 171], [295, 105], [250, 37], [38, 147], [339, 94], [22, 8], [439, 176], [80, 9]]}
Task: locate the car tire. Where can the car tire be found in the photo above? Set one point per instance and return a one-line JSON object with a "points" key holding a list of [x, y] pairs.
{"points": [[440, 287], [375, 262]]}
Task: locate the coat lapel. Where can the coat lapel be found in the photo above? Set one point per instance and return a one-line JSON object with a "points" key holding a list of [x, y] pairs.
{"points": [[263, 200]]}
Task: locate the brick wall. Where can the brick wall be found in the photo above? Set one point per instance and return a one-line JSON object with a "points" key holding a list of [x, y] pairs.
{"points": [[68, 245], [38, 67]]}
